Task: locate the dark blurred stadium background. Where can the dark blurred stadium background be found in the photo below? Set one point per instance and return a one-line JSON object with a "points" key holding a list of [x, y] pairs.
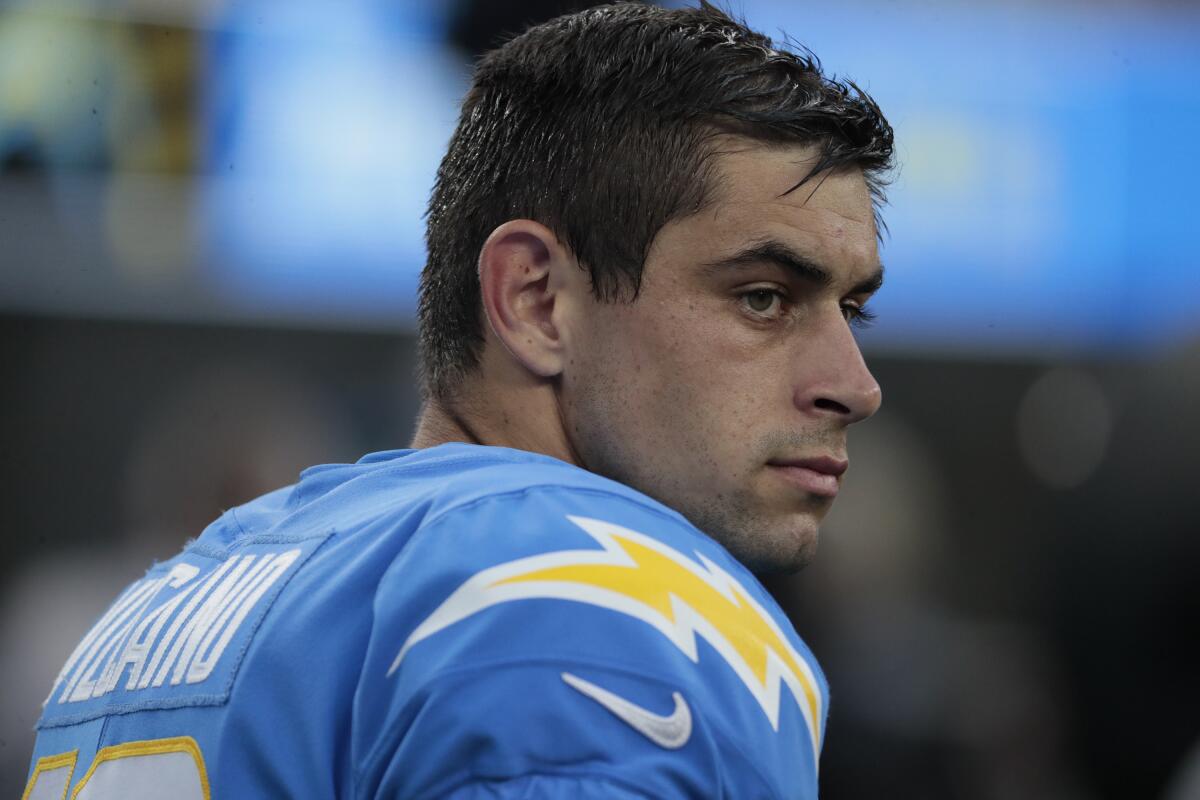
{"points": [[210, 236]]}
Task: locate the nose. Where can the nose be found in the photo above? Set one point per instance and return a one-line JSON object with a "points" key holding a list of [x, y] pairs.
{"points": [[835, 382]]}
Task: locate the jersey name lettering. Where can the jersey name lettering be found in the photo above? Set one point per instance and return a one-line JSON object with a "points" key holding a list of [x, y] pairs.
{"points": [[169, 629]]}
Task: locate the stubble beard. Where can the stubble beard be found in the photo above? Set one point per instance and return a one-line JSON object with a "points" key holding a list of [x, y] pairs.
{"points": [[762, 541], [762, 538]]}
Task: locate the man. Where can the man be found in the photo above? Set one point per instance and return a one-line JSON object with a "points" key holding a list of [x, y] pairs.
{"points": [[648, 242]]}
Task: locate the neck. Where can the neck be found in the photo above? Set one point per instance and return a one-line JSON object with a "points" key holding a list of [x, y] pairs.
{"points": [[529, 421], [438, 424]]}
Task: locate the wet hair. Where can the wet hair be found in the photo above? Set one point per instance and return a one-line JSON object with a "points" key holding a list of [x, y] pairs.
{"points": [[601, 125]]}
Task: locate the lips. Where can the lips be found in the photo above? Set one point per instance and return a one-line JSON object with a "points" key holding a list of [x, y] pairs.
{"points": [[817, 475]]}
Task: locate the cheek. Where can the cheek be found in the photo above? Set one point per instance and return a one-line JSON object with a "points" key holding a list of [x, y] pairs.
{"points": [[628, 400], [684, 392], [704, 392], [733, 376]]}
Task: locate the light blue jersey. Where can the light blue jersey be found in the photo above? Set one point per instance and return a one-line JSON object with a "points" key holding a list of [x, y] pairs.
{"points": [[463, 621]]}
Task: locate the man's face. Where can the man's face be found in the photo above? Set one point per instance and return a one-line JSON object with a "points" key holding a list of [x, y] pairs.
{"points": [[726, 389]]}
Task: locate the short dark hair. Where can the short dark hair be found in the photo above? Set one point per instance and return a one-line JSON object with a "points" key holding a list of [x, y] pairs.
{"points": [[598, 125]]}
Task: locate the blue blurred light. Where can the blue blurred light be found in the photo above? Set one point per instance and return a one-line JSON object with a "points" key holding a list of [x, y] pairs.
{"points": [[1044, 197], [1043, 202], [327, 129]]}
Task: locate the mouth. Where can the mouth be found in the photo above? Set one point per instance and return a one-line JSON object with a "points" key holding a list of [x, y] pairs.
{"points": [[819, 476]]}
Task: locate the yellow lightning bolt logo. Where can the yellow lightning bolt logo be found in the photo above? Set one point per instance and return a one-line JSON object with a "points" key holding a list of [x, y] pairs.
{"points": [[643, 578]]}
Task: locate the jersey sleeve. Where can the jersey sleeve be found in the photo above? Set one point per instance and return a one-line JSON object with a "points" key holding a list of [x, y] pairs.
{"points": [[545, 644], [523, 731], [549, 787]]}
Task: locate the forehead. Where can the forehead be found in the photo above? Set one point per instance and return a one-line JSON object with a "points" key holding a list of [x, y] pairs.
{"points": [[829, 219]]}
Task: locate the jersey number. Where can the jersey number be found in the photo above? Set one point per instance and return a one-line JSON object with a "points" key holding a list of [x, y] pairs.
{"points": [[158, 769]]}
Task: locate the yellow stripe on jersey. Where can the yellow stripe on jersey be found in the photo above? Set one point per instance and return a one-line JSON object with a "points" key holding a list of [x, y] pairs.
{"points": [[642, 577], [172, 766], [51, 777]]}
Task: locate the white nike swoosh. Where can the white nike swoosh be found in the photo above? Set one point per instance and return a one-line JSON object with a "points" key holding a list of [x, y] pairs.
{"points": [[671, 732]]}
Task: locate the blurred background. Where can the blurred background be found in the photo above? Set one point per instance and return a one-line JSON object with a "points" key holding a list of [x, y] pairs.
{"points": [[210, 239]]}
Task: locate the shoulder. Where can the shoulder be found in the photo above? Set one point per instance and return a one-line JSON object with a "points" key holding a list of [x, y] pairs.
{"points": [[426, 485], [540, 530], [459, 509], [468, 476], [530, 572]]}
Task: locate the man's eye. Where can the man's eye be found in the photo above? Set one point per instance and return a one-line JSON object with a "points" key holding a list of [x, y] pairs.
{"points": [[762, 301]]}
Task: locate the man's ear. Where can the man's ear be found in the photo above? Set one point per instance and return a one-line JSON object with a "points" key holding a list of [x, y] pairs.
{"points": [[524, 272]]}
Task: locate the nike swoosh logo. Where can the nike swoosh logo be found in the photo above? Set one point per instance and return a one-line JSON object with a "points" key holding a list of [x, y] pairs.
{"points": [[671, 731]]}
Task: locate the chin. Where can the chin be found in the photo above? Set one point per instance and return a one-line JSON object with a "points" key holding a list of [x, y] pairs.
{"points": [[772, 548], [766, 534], [784, 559]]}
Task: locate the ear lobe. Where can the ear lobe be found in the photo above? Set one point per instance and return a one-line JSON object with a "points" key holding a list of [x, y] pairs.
{"points": [[516, 268]]}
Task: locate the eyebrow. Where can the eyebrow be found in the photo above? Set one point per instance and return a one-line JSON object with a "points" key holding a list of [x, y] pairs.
{"points": [[772, 252]]}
